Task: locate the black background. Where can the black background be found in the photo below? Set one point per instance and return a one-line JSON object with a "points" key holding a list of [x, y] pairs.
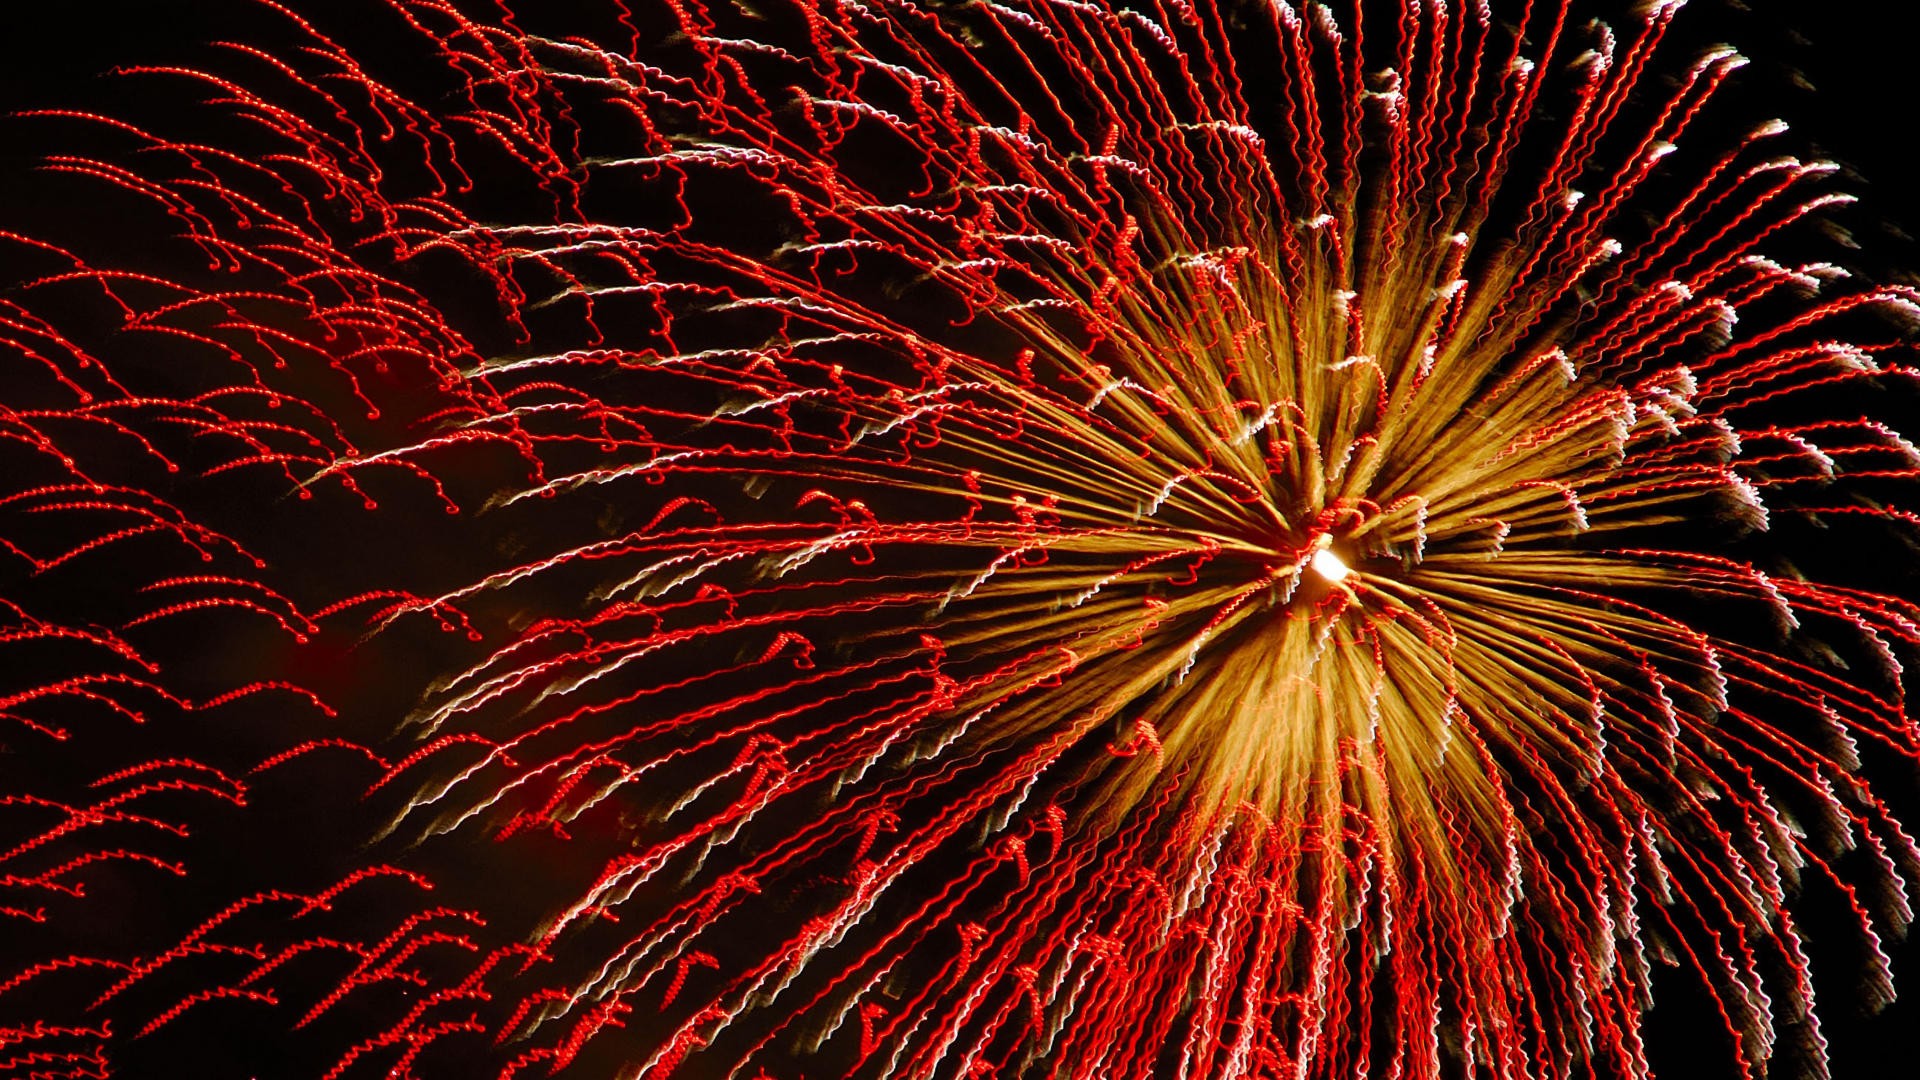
{"points": [[1844, 74]]}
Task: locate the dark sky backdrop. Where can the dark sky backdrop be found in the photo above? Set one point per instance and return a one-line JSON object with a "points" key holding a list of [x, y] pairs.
{"points": [[1844, 72]]}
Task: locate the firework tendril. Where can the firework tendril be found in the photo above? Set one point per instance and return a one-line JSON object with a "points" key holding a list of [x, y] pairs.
{"points": [[1012, 538]]}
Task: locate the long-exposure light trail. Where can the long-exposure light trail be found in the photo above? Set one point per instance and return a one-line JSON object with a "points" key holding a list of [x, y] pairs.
{"points": [[1009, 538]]}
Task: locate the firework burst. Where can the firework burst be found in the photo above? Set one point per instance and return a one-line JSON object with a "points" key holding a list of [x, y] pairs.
{"points": [[953, 540]]}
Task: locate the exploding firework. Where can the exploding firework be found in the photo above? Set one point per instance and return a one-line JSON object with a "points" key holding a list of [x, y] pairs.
{"points": [[981, 539]]}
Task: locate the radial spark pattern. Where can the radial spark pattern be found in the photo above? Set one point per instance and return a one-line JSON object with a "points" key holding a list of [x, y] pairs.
{"points": [[993, 539]]}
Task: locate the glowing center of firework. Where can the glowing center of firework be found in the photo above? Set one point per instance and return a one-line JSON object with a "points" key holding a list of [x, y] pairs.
{"points": [[1328, 565]]}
